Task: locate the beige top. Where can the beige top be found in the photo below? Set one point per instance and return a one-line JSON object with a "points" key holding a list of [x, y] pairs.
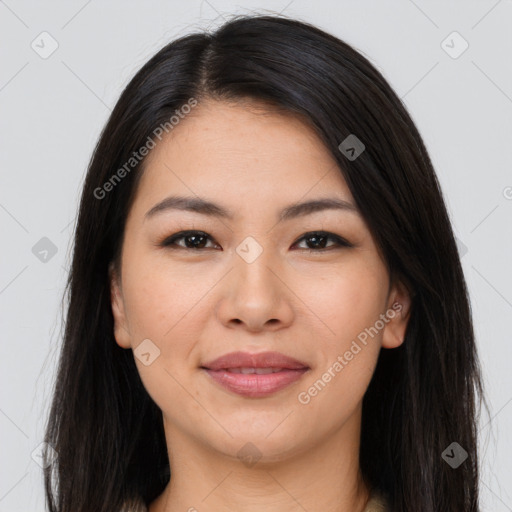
{"points": [[377, 503]]}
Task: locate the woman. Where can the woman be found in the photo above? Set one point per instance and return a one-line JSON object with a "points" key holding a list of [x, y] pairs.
{"points": [[262, 226]]}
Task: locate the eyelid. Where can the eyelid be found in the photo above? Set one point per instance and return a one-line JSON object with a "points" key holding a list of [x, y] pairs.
{"points": [[168, 241], [333, 236]]}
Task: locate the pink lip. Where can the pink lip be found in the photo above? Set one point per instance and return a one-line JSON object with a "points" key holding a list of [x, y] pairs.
{"points": [[255, 385]]}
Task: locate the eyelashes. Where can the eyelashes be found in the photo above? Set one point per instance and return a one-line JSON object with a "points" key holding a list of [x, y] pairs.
{"points": [[198, 240]]}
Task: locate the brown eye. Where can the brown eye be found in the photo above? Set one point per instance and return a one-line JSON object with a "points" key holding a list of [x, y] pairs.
{"points": [[317, 241], [193, 240]]}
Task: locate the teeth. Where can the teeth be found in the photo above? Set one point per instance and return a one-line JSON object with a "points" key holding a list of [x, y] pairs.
{"points": [[258, 371]]}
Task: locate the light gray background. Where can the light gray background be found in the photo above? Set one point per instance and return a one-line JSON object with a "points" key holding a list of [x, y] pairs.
{"points": [[53, 110]]}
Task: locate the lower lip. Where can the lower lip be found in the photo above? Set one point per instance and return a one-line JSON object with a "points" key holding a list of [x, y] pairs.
{"points": [[254, 385]]}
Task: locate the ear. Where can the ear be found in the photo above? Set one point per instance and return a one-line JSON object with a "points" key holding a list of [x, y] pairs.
{"points": [[398, 312], [121, 332]]}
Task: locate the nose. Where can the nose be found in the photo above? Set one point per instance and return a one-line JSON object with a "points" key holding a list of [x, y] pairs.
{"points": [[255, 296]]}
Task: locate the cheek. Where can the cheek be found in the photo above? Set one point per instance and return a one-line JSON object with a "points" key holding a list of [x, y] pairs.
{"points": [[160, 308], [349, 304], [160, 301], [346, 302]]}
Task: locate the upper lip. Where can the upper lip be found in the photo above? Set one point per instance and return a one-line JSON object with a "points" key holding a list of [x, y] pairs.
{"points": [[260, 360]]}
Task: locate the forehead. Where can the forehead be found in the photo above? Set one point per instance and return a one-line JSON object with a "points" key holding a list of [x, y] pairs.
{"points": [[239, 152]]}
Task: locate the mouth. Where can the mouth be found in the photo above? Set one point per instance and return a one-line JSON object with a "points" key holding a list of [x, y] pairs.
{"points": [[255, 375], [258, 371]]}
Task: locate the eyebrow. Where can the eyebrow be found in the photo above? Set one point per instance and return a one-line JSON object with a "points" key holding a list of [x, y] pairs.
{"points": [[205, 207]]}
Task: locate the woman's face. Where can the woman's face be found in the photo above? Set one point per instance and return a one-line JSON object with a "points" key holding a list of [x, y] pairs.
{"points": [[252, 281]]}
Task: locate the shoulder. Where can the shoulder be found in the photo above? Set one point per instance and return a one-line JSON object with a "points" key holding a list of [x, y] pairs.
{"points": [[377, 503]]}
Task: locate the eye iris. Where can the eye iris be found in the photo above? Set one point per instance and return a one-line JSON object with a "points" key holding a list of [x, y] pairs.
{"points": [[315, 239], [195, 238]]}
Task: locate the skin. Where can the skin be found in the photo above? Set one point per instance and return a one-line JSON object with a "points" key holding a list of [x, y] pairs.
{"points": [[198, 304]]}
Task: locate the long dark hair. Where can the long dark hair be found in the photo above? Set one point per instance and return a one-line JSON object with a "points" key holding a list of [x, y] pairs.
{"points": [[106, 429]]}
